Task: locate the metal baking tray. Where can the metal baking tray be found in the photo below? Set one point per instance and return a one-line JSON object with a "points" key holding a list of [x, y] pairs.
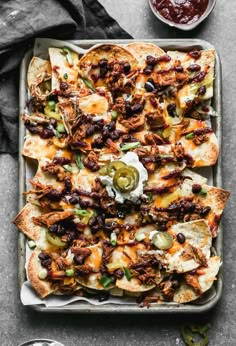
{"points": [[164, 308]]}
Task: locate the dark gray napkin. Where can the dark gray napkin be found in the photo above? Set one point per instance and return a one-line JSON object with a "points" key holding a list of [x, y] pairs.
{"points": [[23, 20]]}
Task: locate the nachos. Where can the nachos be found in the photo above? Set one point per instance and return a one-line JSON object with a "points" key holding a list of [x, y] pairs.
{"points": [[115, 204]]}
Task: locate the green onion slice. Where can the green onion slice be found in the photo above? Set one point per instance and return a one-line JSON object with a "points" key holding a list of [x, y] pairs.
{"points": [[114, 115], [203, 192], [69, 272], [61, 128], [68, 55], [81, 212], [56, 133], [78, 161], [129, 146], [88, 84], [189, 135], [113, 238], [105, 281], [127, 273], [140, 236], [65, 76], [52, 105], [68, 168]]}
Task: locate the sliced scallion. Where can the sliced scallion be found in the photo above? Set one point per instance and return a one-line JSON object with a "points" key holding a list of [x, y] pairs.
{"points": [[189, 135], [61, 128], [114, 115], [68, 168], [81, 212], [78, 161], [203, 192], [65, 76], [68, 55], [88, 84], [140, 236], [129, 146], [52, 105], [105, 281], [56, 133], [113, 238], [69, 272], [127, 273], [150, 197]]}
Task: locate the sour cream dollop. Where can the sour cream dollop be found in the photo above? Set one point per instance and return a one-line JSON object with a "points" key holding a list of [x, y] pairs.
{"points": [[130, 159]]}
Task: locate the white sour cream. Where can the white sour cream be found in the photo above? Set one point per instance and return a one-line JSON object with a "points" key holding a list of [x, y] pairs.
{"points": [[130, 159]]}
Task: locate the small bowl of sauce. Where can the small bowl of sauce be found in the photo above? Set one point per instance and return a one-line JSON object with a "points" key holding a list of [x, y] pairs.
{"points": [[182, 14]]}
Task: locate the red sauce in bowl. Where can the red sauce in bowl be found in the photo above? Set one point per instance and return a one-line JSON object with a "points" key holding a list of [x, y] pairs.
{"points": [[181, 11]]}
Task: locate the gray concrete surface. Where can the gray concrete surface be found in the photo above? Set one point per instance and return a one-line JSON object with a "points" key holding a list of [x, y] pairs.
{"points": [[18, 324]]}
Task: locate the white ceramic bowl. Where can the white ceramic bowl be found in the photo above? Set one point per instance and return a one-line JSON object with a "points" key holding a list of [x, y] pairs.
{"points": [[186, 27]]}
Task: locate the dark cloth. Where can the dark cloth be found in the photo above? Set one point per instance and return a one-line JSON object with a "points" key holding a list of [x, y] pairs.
{"points": [[23, 20]]}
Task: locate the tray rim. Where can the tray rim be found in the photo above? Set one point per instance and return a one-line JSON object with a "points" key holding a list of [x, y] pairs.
{"points": [[165, 308]]}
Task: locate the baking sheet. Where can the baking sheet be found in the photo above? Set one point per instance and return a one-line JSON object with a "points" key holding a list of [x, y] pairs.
{"points": [[51, 304]]}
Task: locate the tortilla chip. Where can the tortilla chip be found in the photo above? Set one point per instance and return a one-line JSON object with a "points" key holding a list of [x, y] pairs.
{"points": [[132, 285], [141, 50], [42, 287], [39, 71], [61, 68], [185, 293], [107, 51], [180, 257], [25, 224]]}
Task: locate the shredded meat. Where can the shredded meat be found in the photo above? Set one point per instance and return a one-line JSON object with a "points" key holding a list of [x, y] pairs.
{"points": [[198, 140], [179, 152], [153, 138], [134, 123], [80, 254], [192, 280], [83, 269], [107, 250], [119, 105], [91, 161], [155, 119], [55, 169], [50, 218], [168, 287], [191, 252]]}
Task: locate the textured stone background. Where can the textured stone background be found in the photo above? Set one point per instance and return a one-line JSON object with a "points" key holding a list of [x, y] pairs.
{"points": [[18, 324]]}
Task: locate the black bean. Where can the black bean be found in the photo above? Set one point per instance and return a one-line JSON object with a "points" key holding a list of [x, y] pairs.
{"points": [[127, 67], [61, 160], [115, 135], [181, 238], [171, 109], [164, 58], [137, 108], [46, 263], [151, 60], [103, 63], [103, 71], [149, 86], [53, 228], [64, 86], [90, 130], [179, 69], [195, 54], [128, 109], [60, 230], [119, 273], [98, 142], [205, 211], [196, 188], [46, 133], [54, 195], [43, 256], [121, 214], [73, 200], [148, 69], [194, 68], [202, 90]]}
